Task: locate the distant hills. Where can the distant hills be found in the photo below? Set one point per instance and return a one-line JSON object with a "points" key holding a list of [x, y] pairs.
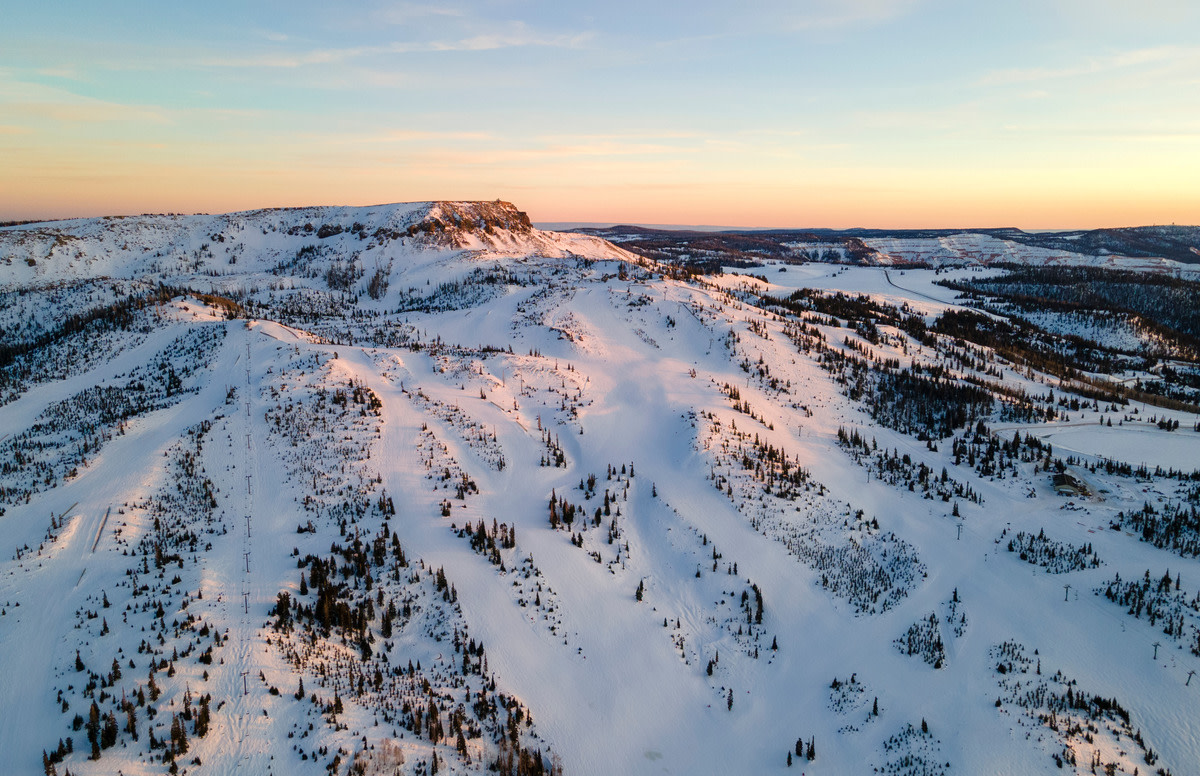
{"points": [[921, 247]]}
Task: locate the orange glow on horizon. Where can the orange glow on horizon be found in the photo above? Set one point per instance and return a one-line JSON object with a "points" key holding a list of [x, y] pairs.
{"points": [[884, 204]]}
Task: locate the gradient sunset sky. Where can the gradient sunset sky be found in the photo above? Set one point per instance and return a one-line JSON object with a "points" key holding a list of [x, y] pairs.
{"points": [[887, 113]]}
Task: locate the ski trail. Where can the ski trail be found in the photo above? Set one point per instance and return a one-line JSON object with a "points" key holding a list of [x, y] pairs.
{"points": [[32, 403], [34, 641], [241, 732]]}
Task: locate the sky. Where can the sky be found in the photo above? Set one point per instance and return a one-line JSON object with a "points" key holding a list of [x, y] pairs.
{"points": [[801, 113]]}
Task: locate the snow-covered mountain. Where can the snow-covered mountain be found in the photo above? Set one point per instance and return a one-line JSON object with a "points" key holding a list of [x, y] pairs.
{"points": [[419, 488], [177, 247]]}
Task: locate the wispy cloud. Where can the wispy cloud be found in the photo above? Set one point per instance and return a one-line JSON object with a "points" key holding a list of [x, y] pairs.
{"points": [[1129, 132], [551, 154], [512, 35], [288, 59], [401, 136], [36, 104], [39, 102], [843, 13], [1093, 66], [403, 13], [620, 137], [59, 72], [945, 118], [518, 36], [88, 112]]}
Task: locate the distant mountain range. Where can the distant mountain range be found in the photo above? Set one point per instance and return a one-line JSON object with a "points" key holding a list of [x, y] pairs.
{"points": [[922, 247]]}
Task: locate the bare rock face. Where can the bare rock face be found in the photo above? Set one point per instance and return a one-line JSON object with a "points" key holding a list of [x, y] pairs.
{"points": [[480, 216], [452, 223]]}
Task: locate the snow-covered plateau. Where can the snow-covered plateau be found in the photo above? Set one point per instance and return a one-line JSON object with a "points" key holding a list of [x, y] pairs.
{"points": [[419, 488]]}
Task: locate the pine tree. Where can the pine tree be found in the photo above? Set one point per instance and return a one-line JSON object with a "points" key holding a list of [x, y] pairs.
{"points": [[433, 722], [108, 734], [729, 700], [93, 730], [179, 740], [203, 717]]}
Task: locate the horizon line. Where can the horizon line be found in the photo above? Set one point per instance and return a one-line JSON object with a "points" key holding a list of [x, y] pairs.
{"points": [[567, 225]]}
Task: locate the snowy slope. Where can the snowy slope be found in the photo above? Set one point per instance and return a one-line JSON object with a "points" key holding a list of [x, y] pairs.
{"points": [[735, 576]]}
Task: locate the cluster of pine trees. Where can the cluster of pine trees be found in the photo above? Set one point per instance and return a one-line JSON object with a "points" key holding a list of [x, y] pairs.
{"points": [[1054, 556], [1162, 601], [484, 442], [488, 543], [1074, 716], [1171, 526], [994, 457], [924, 638], [350, 607], [477, 287], [1167, 301], [121, 710], [121, 314], [554, 455], [71, 431], [900, 470], [871, 569], [913, 751], [313, 422]]}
